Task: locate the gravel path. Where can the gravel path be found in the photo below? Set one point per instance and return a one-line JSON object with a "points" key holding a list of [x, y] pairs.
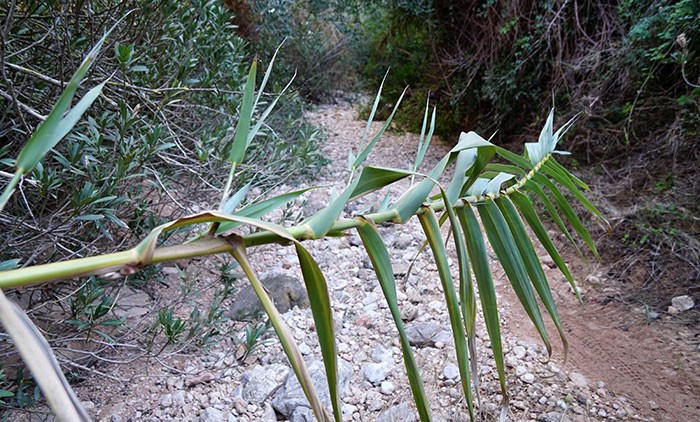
{"points": [[374, 387]]}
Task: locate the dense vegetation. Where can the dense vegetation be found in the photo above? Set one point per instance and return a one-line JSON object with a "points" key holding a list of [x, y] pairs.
{"points": [[154, 146], [628, 69]]}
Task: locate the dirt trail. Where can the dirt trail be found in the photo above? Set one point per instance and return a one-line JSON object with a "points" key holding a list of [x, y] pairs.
{"points": [[655, 364], [638, 363]]}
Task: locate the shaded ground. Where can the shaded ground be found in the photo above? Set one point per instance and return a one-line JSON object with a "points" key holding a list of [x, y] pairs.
{"points": [[655, 363], [637, 362]]}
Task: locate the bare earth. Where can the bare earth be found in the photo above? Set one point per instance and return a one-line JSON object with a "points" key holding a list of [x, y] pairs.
{"points": [[619, 367], [656, 365]]}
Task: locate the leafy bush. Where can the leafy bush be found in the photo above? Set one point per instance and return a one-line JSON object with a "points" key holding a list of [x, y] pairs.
{"points": [[497, 193], [151, 148], [175, 72]]}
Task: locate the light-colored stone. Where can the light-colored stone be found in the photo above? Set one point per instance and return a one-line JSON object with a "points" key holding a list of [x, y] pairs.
{"points": [[409, 312], [387, 387], [527, 378], [382, 354], [290, 397], [451, 371], [683, 303], [211, 414], [519, 352], [398, 413], [166, 400], [422, 334], [578, 379], [377, 372], [260, 382]]}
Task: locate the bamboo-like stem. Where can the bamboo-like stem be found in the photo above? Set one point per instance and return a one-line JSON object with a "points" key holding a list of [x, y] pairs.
{"points": [[127, 262], [238, 251]]}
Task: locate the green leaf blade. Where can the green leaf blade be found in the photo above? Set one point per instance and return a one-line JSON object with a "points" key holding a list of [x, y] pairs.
{"points": [[431, 229], [524, 205], [532, 264], [381, 262], [478, 256], [320, 304], [240, 137], [503, 244]]}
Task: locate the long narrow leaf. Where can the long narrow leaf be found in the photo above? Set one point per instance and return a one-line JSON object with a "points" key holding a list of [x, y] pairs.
{"points": [[580, 183], [423, 140], [365, 152], [379, 256], [51, 130], [245, 115], [285, 336], [504, 245], [552, 212], [407, 205], [568, 212], [320, 303], [532, 264], [236, 198], [374, 178], [370, 119], [465, 160], [254, 131], [320, 223], [37, 354], [467, 297], [533, 220], [563, 177], [268, 72], [476, 249], [261, 208], [432, 232]]}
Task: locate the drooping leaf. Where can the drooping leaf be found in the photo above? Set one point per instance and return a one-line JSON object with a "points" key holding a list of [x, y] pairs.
{"points": [[532, 264], [563, 177], [478, 256], [320, 304], [568, 212], [504, 245], [552, 212], [283, 333], [467, 297], [580, 183], [527, 210], [38, 356], [381, 262], [432, 232]]}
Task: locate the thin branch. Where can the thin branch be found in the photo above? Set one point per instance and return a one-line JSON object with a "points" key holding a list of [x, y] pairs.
{"points": [[23, 106]]}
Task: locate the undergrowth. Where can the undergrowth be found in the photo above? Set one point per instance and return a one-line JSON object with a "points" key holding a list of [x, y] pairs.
{"points": [[152, 148]]}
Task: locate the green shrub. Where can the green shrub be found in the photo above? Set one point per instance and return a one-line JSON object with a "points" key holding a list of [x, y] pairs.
{"points": [[152, 147], [175, 73]]}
